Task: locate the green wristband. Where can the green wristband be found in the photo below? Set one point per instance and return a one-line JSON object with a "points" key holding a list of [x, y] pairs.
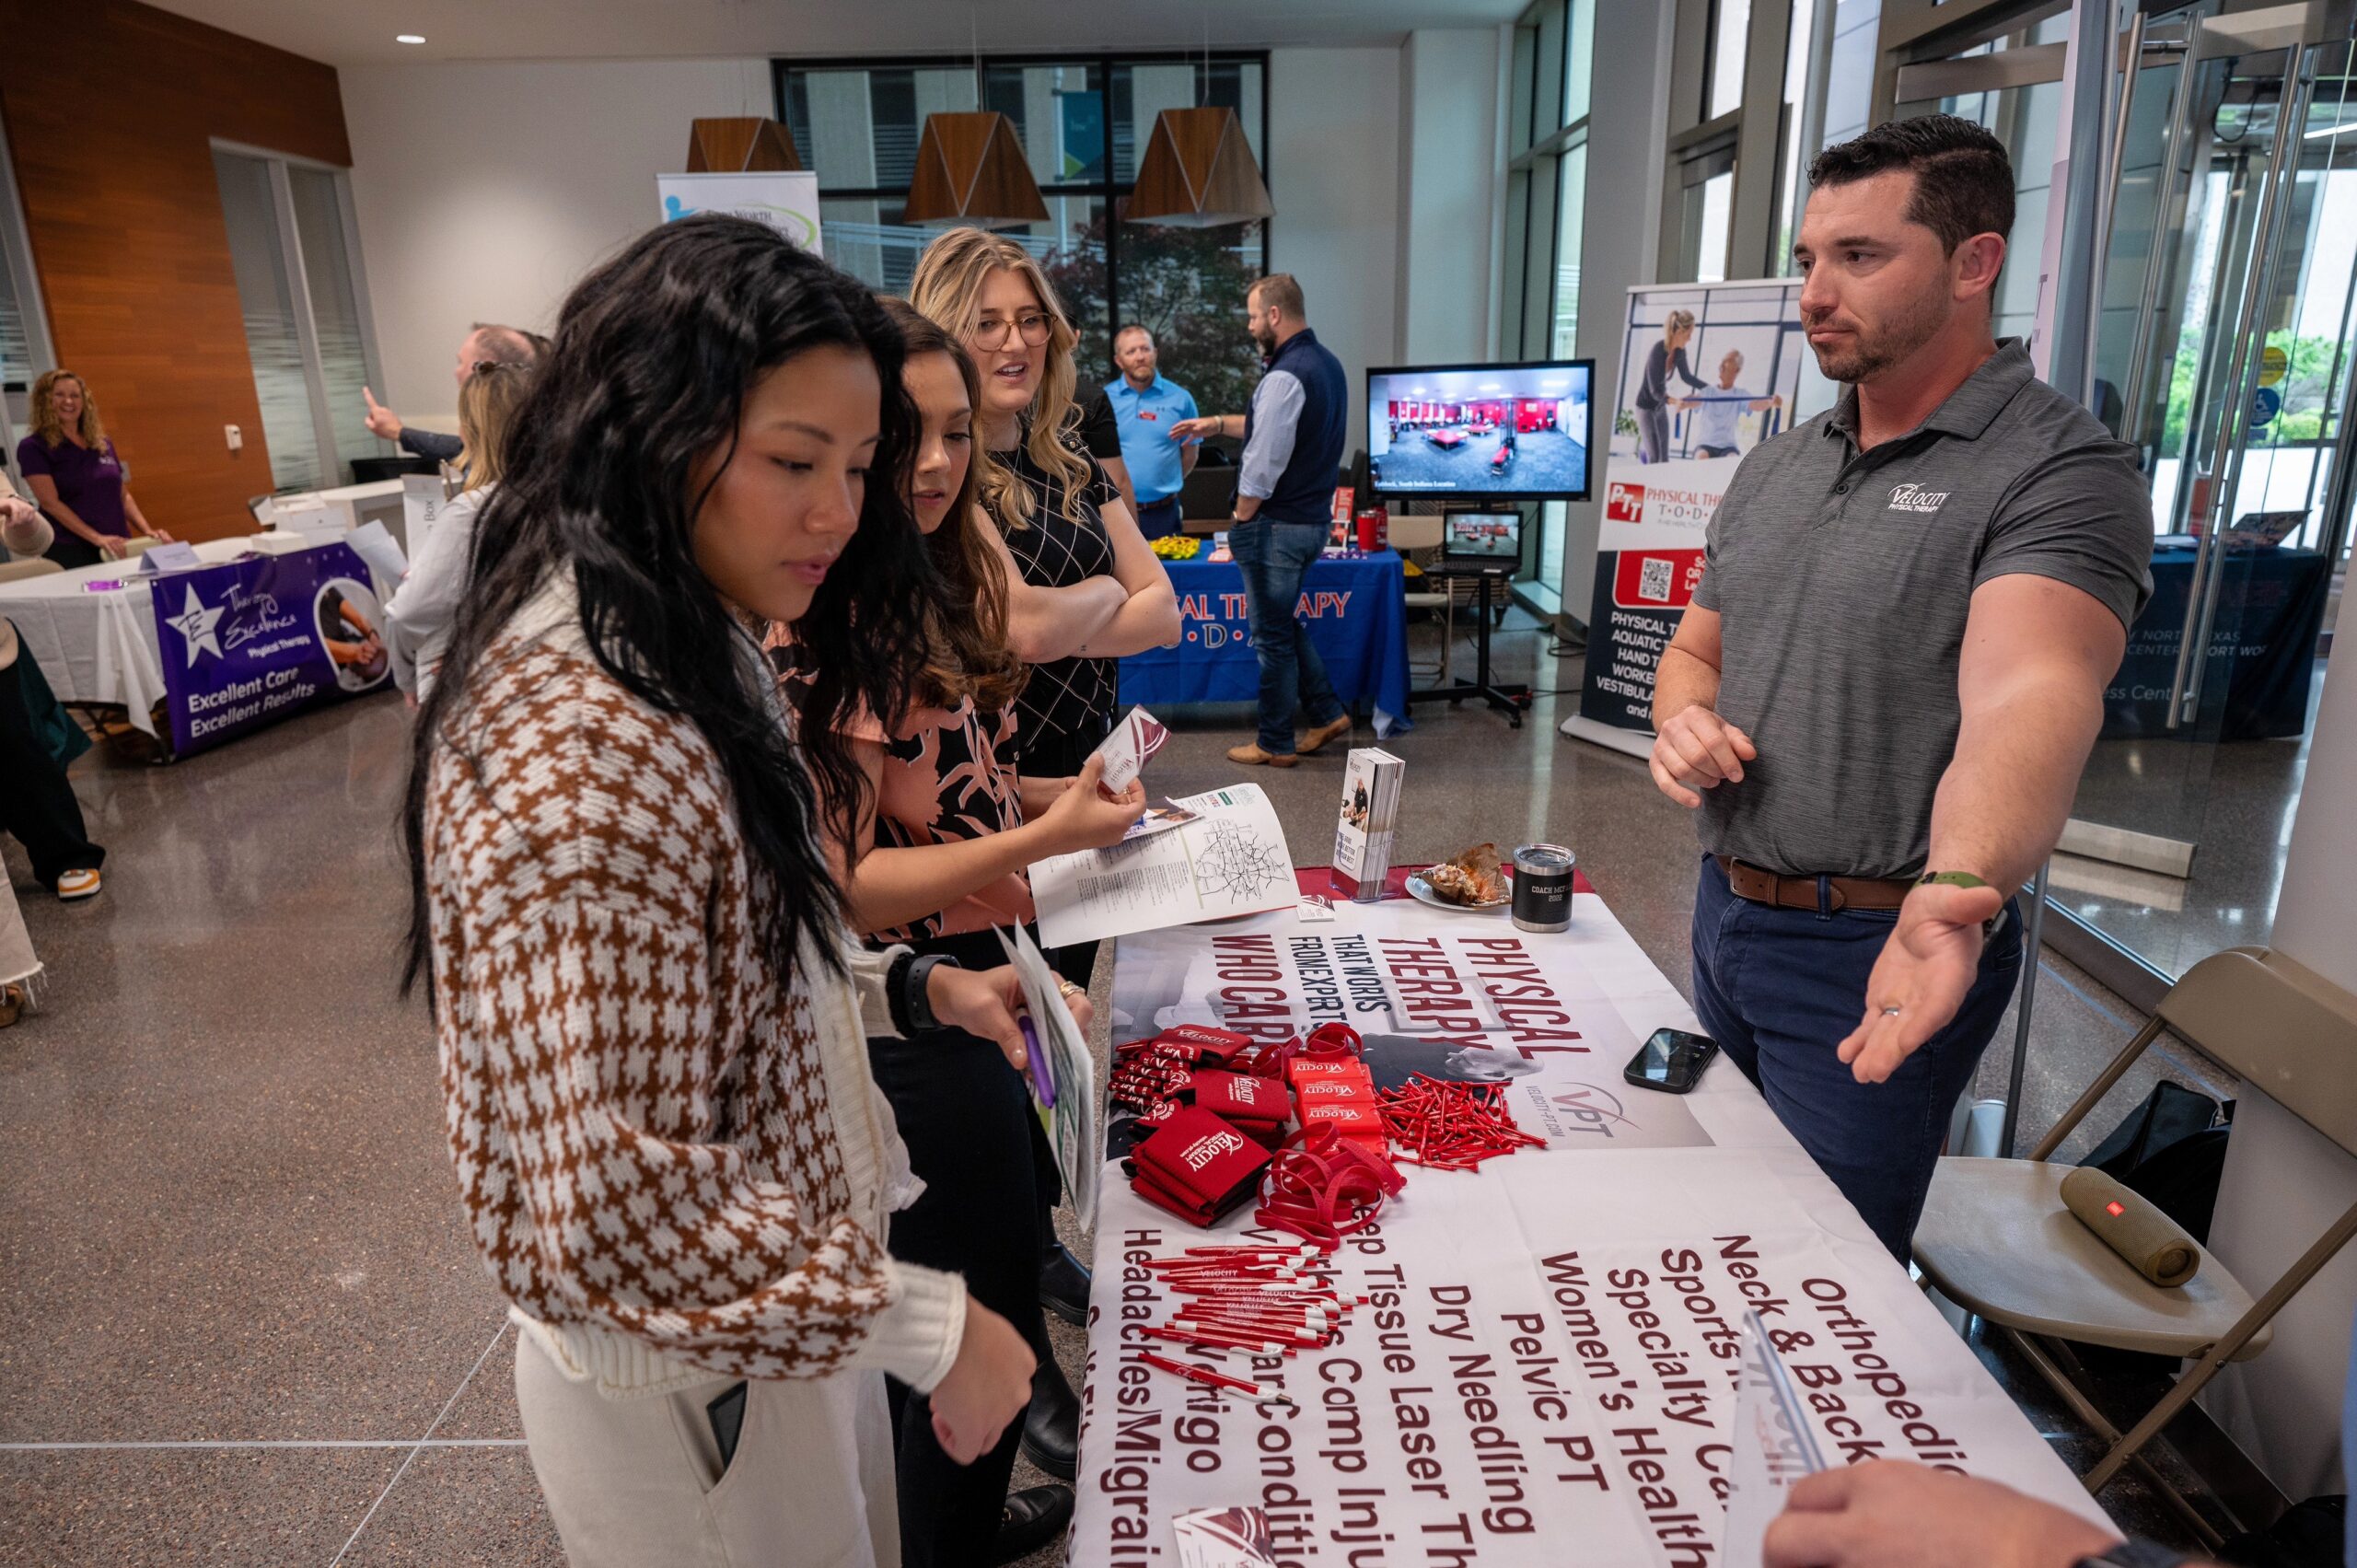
{"points": [[1989, 927]]}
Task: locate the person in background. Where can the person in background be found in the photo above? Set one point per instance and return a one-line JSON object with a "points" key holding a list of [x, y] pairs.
{"points": [[38, 806], [1898, 1514], [1100, 435], [18, 962], [1294, 439], [1718, 409], [651, 1019], [1665, 359], [77, 477], [1893, 669], [1147, 408], [485, 343], [1052, 502], [419, 616], [936, 862]]}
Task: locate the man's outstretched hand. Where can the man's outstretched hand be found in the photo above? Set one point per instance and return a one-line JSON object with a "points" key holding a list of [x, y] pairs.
{"points": [[382, 421], [1928, 964]]}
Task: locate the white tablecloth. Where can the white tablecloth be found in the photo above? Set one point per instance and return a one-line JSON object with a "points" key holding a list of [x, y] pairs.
{"points": [[1542, 1372], [97, 644]]}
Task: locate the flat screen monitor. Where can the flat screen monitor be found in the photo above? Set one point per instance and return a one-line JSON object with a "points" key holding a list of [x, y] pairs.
{"points": [[1493, 538], [1480, 432]]}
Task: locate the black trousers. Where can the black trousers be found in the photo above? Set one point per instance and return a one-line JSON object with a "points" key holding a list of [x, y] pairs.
{"points": [[967, 1118], [37, 804]]}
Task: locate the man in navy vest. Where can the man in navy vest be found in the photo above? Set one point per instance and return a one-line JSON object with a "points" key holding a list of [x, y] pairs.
{"points": [[1293, 451]]}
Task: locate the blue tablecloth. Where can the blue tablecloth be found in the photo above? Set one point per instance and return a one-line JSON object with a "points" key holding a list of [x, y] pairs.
{"points": [[2263, 651], [1351, 604]]}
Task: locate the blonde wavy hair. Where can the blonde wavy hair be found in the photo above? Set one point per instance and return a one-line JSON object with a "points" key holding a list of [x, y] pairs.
{"points": [[948, 289], [487, 403], [91, 431]]}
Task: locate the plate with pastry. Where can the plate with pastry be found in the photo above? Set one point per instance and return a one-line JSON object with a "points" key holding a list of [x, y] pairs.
{"points": [[1473, 880]]}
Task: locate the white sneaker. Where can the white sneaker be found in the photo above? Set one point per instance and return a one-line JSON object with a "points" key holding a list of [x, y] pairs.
{"points": [[77, 884]]}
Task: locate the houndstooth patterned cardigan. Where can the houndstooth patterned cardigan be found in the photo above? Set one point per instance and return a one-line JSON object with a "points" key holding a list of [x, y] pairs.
{"points": [[673, 1161]]}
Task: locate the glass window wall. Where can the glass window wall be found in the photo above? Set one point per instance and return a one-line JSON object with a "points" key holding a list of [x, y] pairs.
{"points": [[1084, 123]]}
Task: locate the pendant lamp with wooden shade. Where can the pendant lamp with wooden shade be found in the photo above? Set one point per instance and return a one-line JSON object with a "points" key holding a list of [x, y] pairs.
{"points": [[1198, 172], [970, 168], [749, 145]]}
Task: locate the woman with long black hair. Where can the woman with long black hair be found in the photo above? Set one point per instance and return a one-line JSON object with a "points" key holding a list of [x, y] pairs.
{"points": [[652, 1022]]}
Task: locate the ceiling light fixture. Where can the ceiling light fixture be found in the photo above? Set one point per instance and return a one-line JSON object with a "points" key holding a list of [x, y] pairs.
{"points": [[751, 144], [969, 169], [409, 38], [1198, 172]]}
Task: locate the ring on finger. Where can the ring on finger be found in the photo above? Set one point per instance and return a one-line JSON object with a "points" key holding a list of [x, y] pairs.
{"points": [[1066, 988]]}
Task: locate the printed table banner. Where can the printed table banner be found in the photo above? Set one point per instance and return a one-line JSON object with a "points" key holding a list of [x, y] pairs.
{"points": [[1708, 371], [248, 644], [1353, 607], [1545, 1366]]}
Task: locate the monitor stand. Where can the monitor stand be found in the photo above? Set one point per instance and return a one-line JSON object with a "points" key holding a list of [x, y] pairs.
{"points": [[1509, 699]]}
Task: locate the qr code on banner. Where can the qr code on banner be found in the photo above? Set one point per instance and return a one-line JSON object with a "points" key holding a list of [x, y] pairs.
{"points": [[1652, 579]]}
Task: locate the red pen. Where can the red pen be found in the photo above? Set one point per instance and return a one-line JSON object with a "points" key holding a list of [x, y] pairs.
{"points": [[1215, 1341], [1216, 1379]]}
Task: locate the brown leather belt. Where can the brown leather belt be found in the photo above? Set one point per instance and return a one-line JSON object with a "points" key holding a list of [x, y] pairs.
{"points": [[1751, 883]]}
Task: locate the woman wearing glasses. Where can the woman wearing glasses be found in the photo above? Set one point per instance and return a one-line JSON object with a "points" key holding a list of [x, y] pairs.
{"points": [[1061, 518]]}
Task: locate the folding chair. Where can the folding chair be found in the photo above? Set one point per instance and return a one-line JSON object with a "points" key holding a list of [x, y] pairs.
{"points": [[1996, 1239], [1422, 536]]}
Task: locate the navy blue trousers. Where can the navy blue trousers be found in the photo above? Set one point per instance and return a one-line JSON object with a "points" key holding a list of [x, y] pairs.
{"points": [[1779, 989]]}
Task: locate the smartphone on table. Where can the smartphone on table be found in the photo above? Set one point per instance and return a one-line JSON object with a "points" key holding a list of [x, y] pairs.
{"points": [[1671, 1061]]}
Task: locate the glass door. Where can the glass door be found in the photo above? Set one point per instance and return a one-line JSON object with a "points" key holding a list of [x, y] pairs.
{"points": [[2223, 354]]}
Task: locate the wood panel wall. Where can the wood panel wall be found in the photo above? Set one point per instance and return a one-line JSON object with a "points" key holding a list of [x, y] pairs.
{"points": [[112, 109]]}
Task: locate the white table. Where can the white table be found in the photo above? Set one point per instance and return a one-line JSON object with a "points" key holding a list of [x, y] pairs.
{"points": [[1543, 1374], [98, 646], [348, 504]]}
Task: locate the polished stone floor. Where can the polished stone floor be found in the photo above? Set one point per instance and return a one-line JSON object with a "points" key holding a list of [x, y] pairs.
{"points": [[239, 1319]]}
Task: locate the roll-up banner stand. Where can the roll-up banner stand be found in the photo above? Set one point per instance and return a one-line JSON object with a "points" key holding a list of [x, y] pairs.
{"points": [[787, 202], [1682, 422]]}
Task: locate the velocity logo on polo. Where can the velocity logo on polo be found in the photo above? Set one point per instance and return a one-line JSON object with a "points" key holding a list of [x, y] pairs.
{"points": [[1915, 498]]}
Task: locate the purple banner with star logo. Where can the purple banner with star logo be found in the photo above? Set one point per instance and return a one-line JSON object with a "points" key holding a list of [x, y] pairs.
{"points": [[245, 644]]}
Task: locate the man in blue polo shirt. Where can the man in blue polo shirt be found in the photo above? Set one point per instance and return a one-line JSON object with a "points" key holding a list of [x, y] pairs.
{"points": [[1145, 407]]}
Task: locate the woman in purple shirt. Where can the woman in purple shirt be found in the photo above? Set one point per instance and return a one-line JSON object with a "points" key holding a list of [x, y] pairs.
{"points": [[77, 477]]}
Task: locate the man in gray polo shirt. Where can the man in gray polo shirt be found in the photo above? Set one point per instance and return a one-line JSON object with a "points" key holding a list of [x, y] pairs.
{"points": [[1893, 669]]}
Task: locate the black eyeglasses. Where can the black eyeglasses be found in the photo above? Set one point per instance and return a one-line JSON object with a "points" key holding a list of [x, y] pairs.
{"points": [[990, 332]]}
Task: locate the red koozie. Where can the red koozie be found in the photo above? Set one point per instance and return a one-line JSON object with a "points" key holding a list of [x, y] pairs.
{"points": [[1235, 1097], [1198, 1166], [1211, 1045]]}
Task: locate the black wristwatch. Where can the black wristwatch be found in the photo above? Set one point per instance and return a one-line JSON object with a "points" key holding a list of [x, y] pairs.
{"points": [[2136, 1553], [905, 992]]}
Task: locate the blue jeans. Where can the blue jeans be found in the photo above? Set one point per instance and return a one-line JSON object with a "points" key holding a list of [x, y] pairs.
{"points": [[1780, 988], [1274, 558]]}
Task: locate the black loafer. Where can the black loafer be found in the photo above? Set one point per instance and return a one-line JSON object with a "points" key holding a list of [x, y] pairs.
{"points": [[1031, 1518], [1063, 1284], [1052, 1425]]}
